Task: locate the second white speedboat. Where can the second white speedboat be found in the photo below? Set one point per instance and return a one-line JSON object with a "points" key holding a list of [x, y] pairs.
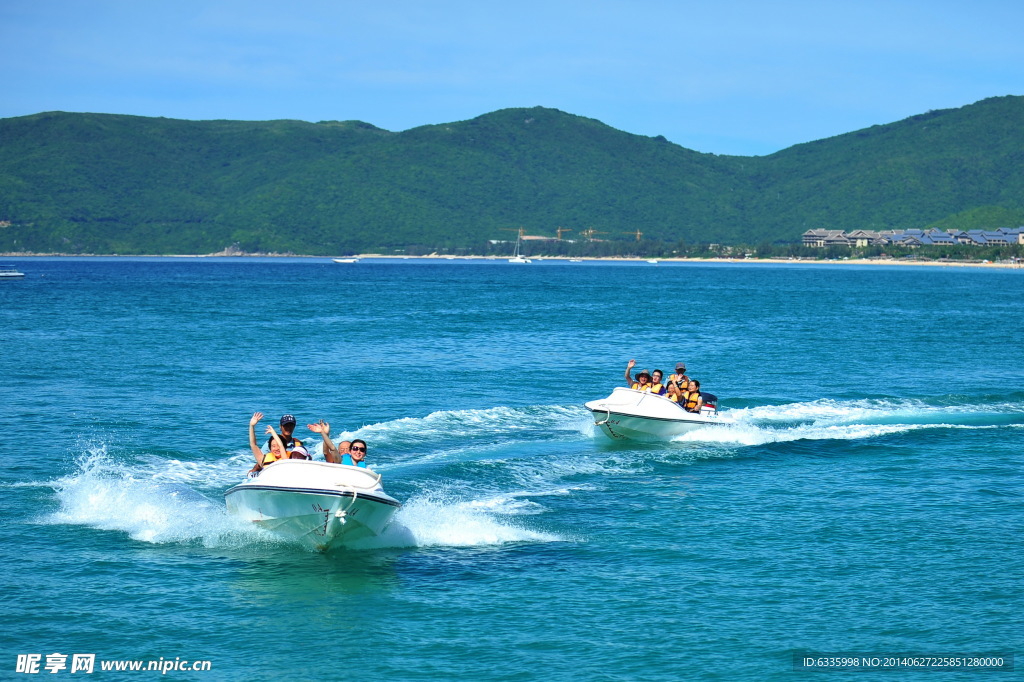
{"points": [[645, 416], [318, 504]]}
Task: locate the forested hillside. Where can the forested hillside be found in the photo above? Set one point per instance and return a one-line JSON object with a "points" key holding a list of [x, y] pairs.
{"points": [[96, 183]]}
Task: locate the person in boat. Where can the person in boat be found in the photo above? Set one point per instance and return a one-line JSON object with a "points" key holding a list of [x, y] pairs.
{"points": [[356, 455], [694, 401], [677, 391], [287, 429], [643, 379], [299, 452], [679, 378], [330, 450], [345, 452], [277, 449], [656, 385]]}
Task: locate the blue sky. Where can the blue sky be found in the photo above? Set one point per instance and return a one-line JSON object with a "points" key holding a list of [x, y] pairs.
{"points": [[722, 76]]}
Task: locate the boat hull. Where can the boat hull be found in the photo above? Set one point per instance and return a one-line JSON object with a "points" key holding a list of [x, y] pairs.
{"points": [[643, 416], [317, 504]]}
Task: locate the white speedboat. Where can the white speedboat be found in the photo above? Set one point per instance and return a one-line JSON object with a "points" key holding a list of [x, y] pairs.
{"points": [[345, 260], [10, 271], [645, 416], [318, 504]]}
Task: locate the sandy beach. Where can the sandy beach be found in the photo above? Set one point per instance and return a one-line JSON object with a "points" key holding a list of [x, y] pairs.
{"points": [[737, 261]]}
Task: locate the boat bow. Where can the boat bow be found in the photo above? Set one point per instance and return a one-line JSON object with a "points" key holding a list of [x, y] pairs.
{"points": [[318, 504]]}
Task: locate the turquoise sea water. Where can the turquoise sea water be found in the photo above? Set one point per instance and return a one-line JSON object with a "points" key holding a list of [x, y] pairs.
{"points": [[869, 497]]}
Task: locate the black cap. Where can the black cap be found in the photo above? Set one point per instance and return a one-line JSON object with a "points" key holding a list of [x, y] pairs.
{"points": [[287, 419]]}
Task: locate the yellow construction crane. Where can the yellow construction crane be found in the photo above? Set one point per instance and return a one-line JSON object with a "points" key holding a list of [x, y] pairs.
{"points": [[638, 234], [560, 230], [590, 232], [520, 230]]}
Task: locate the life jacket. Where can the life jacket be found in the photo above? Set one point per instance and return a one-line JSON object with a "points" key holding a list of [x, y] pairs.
{"points": [[638, 387], [347, 459], [674, 397], [658, 389], [270, 457], [691, 401]]}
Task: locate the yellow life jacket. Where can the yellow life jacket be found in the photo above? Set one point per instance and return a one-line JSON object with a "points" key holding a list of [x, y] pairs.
{"points": [[657, 388], [270, 458], [637, 387], [674, 397], [676, 379], [691, 401]]}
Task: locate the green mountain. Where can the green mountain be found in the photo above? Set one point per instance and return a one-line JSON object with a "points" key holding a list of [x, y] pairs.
{"points": [[97, 183]]}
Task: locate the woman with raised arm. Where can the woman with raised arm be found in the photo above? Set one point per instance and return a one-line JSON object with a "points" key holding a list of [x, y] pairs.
{"points": [[277, 450]]}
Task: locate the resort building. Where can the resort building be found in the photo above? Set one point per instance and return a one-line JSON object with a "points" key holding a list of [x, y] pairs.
{"points": [[1003, 236]]}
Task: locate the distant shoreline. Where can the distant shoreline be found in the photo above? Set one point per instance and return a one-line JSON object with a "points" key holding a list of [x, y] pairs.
{"points": [[737, 261]]}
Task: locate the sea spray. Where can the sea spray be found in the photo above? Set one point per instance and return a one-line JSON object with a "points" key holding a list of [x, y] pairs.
{"points": [[440, 521], [111, 495]]}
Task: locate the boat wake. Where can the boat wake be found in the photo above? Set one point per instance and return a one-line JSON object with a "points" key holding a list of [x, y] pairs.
{"points": [[828, 419], [154, 505], [467, 478], [170, 501]]}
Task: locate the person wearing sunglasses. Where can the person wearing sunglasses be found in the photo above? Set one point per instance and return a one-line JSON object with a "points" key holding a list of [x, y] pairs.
{"points": [[352, 453], [356, 455]]}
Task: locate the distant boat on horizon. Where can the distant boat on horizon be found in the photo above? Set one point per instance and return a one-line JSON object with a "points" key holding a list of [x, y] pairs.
{"points": [[345, 260], [516, 257], [9, 271]]}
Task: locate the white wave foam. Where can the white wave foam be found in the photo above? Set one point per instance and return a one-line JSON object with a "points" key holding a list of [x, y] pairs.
{"points": [[108, 495], [491, 421], [755, 435], [870, 410], [433, 522], [156, 502], [828, 419]]}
